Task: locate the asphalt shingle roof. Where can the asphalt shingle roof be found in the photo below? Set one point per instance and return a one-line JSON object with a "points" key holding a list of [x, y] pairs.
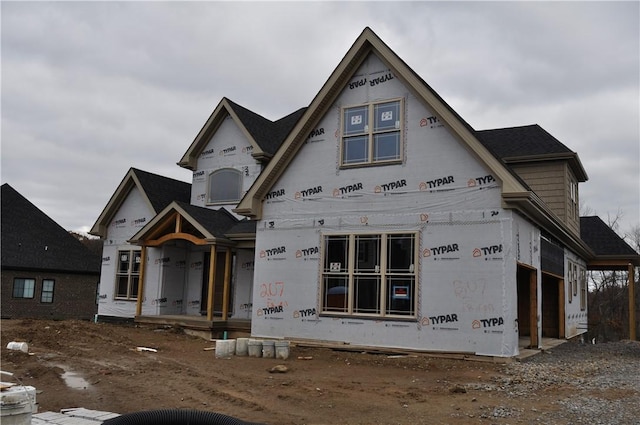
{"points": [[161, 190], [268, 134], [528, 140], [31, 240], [602, 239], [217, 222]]}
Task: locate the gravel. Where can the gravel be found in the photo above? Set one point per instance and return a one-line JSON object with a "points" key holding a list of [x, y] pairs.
{"points": [[598, 383]]}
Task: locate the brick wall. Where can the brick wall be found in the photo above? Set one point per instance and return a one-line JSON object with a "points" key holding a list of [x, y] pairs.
{"points": [[74, 296]]}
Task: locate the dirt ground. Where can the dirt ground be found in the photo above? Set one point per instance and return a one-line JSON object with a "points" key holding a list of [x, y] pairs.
{"points": [[97, 366]]}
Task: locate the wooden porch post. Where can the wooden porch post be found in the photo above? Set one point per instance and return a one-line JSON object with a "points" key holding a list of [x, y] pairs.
{"points": [[227, 284], [143, 262], [632, 303], [533, 308], [212, 279], [561, 323]]}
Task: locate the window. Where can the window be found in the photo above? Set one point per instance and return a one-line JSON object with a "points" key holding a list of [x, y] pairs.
{"points": [[128, 274], [363, 143], [46, 296], [573, 199], [583, 289], [225, 186], [370, 274], [23, 288]]}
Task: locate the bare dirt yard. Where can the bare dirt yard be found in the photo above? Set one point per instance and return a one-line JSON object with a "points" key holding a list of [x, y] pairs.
{"points": [[97, 366]]}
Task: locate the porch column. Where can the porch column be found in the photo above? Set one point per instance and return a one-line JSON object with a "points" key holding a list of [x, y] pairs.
{"points": [[227, 284], [143, 262], [533, 308], [632, 303], [211, 283]]}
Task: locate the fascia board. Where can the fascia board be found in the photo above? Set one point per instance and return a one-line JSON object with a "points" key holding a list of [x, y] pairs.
{"points": [[571, 157], [251, 204], [210, 127], [529, 204], [129, 181]]}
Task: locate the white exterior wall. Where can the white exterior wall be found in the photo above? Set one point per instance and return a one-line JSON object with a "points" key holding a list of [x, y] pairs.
{"points": [[466, 297], [575, 318], [243, 284], [228, 148], [133, 214]]}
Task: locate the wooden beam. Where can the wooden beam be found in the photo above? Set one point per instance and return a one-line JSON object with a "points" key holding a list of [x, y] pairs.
{"points": [[170, 236], [533, 308], [211, 283], [632, 303], [227, 284], [561, 322], [143, 262]]}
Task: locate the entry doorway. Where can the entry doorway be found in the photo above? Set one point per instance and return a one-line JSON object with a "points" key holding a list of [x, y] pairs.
{"points": [[528, 304], [552, 306], [218, 289]]}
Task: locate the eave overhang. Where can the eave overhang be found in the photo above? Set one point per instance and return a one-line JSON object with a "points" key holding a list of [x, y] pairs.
{"points": [[190, 158], [571, 157], [129, 181], [530, 205], [169, 224]]}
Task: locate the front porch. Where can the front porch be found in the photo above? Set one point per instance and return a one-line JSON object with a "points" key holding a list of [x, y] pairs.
{"points": [[201, 326]]}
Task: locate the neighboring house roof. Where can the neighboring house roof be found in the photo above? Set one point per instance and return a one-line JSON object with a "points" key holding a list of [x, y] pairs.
{"points": [[31, 240], [158, 191], [604, 241], [212, 225], [265, 136], [529, 143]]}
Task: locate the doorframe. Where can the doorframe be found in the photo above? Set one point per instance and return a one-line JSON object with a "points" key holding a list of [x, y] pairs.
{"points": [[533, 302]]}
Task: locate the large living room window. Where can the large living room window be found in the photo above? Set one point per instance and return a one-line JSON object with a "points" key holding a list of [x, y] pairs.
{"points": [[372, 133], [369, 274], [225, 186], [128, 275]]}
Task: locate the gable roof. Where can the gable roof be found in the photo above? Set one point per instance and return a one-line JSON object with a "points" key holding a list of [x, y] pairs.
{"points": [[368, 42], [158, 191], [604, 242], [265, 136], [211, 224], [529, 143], [31, 240]]}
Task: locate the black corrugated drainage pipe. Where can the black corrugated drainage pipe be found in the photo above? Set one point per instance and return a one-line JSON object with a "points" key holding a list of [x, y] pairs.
{"points": [[175, 417]]}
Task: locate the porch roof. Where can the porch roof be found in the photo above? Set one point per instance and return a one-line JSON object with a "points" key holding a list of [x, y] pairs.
{"points": [[607, 246]]}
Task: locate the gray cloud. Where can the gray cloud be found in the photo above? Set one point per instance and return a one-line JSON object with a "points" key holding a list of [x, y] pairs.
{"points": [[90, 89]]}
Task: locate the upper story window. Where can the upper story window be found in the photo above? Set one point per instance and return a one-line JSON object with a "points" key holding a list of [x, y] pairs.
{"points": [[225, 186], [573, 199], [372, 133]]}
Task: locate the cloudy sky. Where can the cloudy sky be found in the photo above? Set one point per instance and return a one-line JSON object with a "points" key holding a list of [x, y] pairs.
{"points": [[91, 89]]}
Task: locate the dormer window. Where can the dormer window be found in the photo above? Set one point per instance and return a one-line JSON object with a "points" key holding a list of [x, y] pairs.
{"points": [[372, 133], [225, 186]]}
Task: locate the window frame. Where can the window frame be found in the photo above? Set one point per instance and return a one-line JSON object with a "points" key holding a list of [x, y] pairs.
{"points": [[369, 133], [131, 274], [354, 273], [237, 173], [23, 281], [48, 292]]}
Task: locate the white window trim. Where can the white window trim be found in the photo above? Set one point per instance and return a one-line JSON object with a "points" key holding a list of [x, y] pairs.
{"points": [[371, 108], [351, 255]]}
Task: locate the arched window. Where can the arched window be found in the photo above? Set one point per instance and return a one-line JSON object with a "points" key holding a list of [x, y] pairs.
{"points": [[225, 186]]}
